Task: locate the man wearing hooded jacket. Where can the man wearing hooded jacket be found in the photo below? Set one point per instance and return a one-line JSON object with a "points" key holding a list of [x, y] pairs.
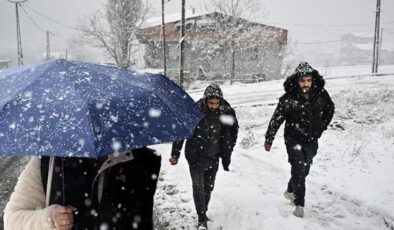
{"points": [[307, 109], [215, 136]]}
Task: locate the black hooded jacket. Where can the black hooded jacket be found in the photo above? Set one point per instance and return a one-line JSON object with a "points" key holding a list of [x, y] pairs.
{"points": [[305, 119], [200, 142]]}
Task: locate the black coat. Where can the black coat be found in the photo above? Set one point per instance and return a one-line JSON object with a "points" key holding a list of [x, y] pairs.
{"points": [[305, 119], [127, 196], [197, 145]]}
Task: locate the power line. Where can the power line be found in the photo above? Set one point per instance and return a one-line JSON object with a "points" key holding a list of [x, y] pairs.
{"points": [[42, 30], [296, 43], [62, 36], [320, 42], [332, 25], [277, 23], [31, 19], [51, 19]]}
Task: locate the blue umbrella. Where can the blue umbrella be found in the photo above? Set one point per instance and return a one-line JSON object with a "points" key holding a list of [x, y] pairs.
{"points": [[77, 109]]}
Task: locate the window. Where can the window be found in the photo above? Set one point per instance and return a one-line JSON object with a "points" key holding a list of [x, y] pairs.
{"points": [[173, 52], [254, 53]]}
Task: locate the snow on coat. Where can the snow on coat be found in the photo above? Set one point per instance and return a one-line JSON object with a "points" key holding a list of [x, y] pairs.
{"points": [[305, 119]]}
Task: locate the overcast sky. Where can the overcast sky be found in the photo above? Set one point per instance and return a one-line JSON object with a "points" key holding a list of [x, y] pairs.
{"points": [[306, 20]]}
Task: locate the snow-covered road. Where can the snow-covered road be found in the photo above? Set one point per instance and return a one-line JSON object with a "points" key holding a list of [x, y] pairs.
{"points": [[350, 185]]}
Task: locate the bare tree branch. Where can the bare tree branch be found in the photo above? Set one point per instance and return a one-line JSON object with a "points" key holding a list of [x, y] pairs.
{"points": [[114, 28]]}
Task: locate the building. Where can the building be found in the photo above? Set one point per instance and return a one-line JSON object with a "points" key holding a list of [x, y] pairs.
{"points": [[4, 64], [357, 49], [214, 42]]}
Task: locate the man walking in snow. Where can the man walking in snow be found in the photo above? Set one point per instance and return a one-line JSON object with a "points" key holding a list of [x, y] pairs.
{"points": [[307, 109], [215, 136]]}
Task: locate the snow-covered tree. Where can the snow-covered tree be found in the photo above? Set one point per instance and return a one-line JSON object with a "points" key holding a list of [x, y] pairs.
{"points": [[246, 9], [114, 28]]}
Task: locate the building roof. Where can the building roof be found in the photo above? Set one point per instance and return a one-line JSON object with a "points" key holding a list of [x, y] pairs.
{"points": [[192, 14], [169, 18], [152, 29]]}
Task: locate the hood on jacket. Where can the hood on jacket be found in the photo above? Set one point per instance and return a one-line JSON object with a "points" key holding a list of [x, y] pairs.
{"points": [[291, 82], [213, 91]]}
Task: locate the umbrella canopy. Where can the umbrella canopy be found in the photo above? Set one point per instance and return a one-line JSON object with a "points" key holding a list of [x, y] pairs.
{"points": [[68, 108]]}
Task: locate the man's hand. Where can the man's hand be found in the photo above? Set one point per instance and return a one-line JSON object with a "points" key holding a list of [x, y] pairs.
{"points": [[267, 147], [226, 164], [63, 217], [173, 161], [226, 168]]}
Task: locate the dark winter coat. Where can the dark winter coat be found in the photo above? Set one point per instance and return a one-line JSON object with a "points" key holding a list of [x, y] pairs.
{"points": [[127, 195], [199, 143], [305, 119]]}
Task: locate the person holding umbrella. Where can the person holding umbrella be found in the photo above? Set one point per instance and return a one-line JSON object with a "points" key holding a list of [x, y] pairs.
{"points": [[116, 194], [89, 124], [214, 137]]}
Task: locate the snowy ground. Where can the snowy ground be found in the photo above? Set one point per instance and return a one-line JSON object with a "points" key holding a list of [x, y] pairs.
{"points": [[350, 185], [353, 70]]}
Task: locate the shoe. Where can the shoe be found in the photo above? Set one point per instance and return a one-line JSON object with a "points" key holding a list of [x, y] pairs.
{"points": [[299, 211], [290, 196], [202, 225]]}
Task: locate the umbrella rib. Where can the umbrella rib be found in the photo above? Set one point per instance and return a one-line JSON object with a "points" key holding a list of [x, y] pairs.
{"points": [[144, 88], [150, 90], [169, 107], [27, 86], [87, 108]]}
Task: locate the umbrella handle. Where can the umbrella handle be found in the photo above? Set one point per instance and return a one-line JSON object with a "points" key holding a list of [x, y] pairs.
{"points": [[63, 183], [49, 181]]}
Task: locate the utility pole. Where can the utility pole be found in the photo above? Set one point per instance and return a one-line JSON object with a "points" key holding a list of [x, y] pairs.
{"points": [[164, 38], [232, 60], [376, 39], [380, 45], [182, 56], [48, 47], [18, 31]]}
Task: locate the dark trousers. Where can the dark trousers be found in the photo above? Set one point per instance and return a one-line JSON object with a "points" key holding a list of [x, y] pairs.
{"points": [[203, 178], [300, 157]]}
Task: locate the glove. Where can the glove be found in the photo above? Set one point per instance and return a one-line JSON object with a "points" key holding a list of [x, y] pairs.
{"points": [[225, 164]]}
